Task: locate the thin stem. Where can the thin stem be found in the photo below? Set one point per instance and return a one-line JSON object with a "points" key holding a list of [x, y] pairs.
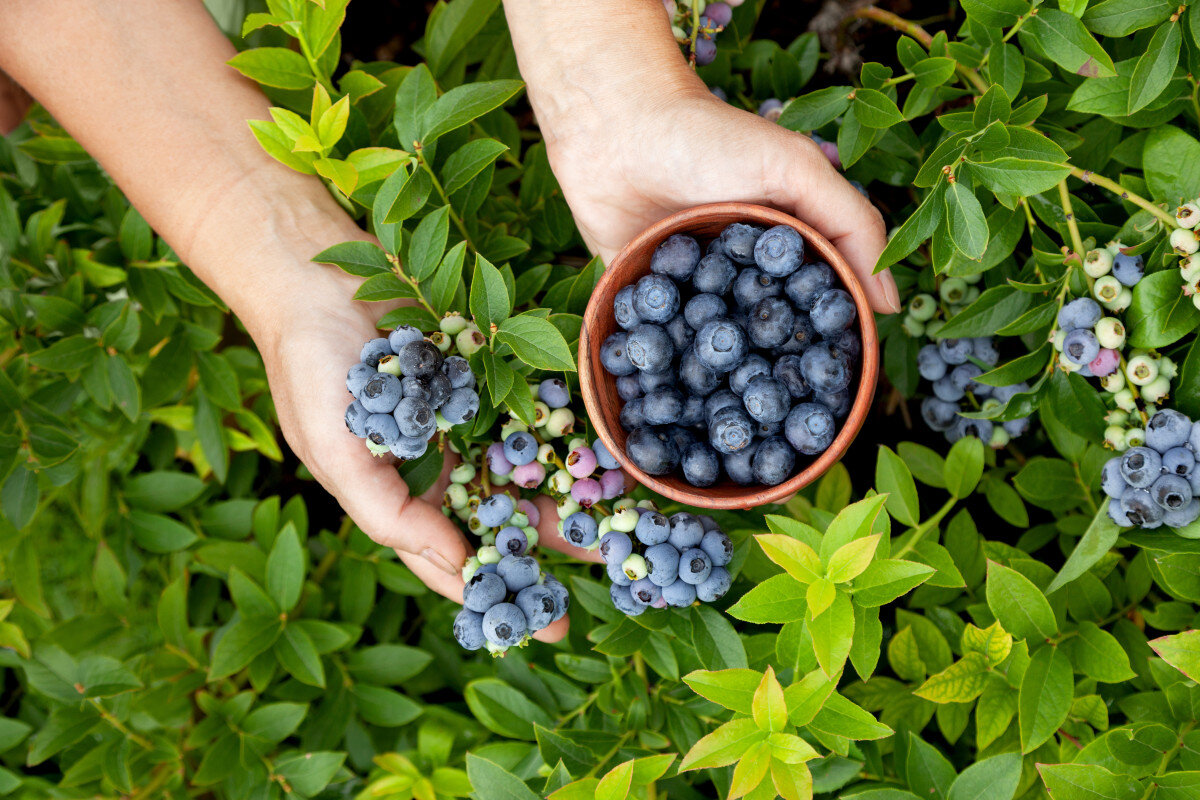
{"points": [[925, 527], [695, 33], [1087, 176], [1017, 26], [458, 223], [616, 748], [921, 35], [1065, 198], [898, 79]]}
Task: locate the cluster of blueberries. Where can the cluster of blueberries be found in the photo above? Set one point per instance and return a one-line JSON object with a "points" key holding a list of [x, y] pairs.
{"points": [[953, 365], [713, 19], [1157, 483], [506, 601], [666, 561], [404, 389], [734, 361], [1185, 241]]}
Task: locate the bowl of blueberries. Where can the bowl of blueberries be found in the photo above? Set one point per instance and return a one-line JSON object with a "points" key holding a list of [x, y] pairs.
{"points": [[728, 356]]}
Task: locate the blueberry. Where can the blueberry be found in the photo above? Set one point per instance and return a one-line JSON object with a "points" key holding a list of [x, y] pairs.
{"points": [[633, 414], [1006, 393], [381, 394], [682, 335], [649, 348], [537, 605], [718, 401], [679, 594], [705, 50], [731, 431], [1166, 429], [357, 378], [695, 566], [701, 465], [1172, 492], [693, 411], [771, 322], [765, 430], [740, 466], [1080, 346], [458, 370], [780, 251], [652, 528], [626, 317], [930, 364], [1112, 482], [404, 334], [753, 367], [460, 407], [804, 286], [554, 393], [752, 286], [767, 400], [938, 414], [984, 348], [946, 390], [663, 406], [1016, 427], [580, 529], [504, 625], [374, 350], [439, 389], [495, 510], [717, 546], [512, 541], [1140, 509], [676, 257], [979, 428], [520, 448], [838, 403], [616, 574], [686, 531], [562, 600], [604, 458], [409, 447], [721, 345], [623, 600], [517, 572], [1140, 466], [629, 386], [1117, 515], [483, 591], [356, 418], [713, 587], [848, 341], [651, 451], [662, 564], [714, 274], [833, 312], [703, 308], [1082, 312], [420, 359], [615, 547], [680, 436], [380, 429], [810, 428], [738, 241], [963, 378], [655, 298], [415, 387], [468, 629], [825, 369], [954, 351], [788, 371], [1182, 517], [1128, 269], [696, 378], [803, 334], [645, 592], [415, 417], [773, 461], [1179, 461], [708, 523], [613, 356]]}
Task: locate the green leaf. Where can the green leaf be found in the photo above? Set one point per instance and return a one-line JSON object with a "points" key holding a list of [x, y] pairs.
{"points": [[1181, 651], [309, 773], [274, 722], [993, 309], [462, 104], [402, 195], [298, 655], [384, 707], [537, 342], [1073, 398], [1098, 654], [994, 778], [884, 581], [448, 278], [723, 746], [732, 688], [961, 682], [1087, 782], [1018, 176], [502, 784], [504, 710], [1049, 483], [1019, 605], [616, 782], [915, 230], [428, 244], [1172, 167], [490, 303], [832, 634], [933, 71], [1123, 17], [277, 67], [964, 466], [1067, 43], [452, 29], [965, 221], [930, 775], [468, 161], [163, 490], [414, 96], [1155, 67], [815, 109], [892, 477], [158, 533], [849, 561], [285, 568], [241, 642], [768, 705], [996, 13], [1160, 313], [875, 109], [1099, 538], [717, 643], [1047, 689], [778, 599]]}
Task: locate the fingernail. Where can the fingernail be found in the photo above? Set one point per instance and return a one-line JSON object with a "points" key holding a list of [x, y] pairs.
{"points": [[891, 294], [439, 561]]}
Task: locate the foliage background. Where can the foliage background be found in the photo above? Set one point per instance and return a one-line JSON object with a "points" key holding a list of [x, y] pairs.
{"points": [[188, 615]]}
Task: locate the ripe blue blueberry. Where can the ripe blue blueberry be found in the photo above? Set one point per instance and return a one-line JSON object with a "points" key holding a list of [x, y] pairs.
{"points": [[1182, 517], [483, 591], [649, 381], [965, 426], [717, 401], [767, 400], [409, 447], [676, 257], [381, 394], [613, 356], [356, 419], [1112, 482], [679, 594], [615, 547], [1016, 427], [655, 298], [752, 285], [718, 547], [622, 600], [730, 431], [838, 403], [954, 351], [780, 251], [705, 50], [764, 430], [580, 529], [984, 348], [714, 274], [403, 335], [773, 461], [420, 359], [652, 528], [1082, 312], [947, 390], [1128, 269], [1139, 508], [701, 465], [374, 350], [649, 348], [810, 428], [537, 605], [562, 600], [1080, 346], [963, 378], [695, 566], [693, 411], [633, 414], [738, 241], [520, 448], [616, 573], [803, 334], [512, 541], [686, 531], [468, 629], [1179, 461], [458, 371], [848, 341], [645, 592], [938, 414], [651, 451], [662, 564], [626, 317], [415, 417], [504, 625], [713, 587], [461, 406], [415, 387], [1166, 429], [682, 335], [663, 406], [740, 466], [604, 458], [826, 369], [788, 371], [495, 510], [721, 345], [381, 429], [629, 386], [833, 312], [357, 378], [703, 308], [1117, 515], [753, 367], [554, 393], [806, 284], [930, 363], [1006, 393], [697, 378], [771, 322], [517, 572], [439, 389], [1172, 492]]}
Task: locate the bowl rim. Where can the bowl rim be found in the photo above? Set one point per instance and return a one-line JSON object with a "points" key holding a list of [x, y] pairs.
{"points": [[592, 374]]}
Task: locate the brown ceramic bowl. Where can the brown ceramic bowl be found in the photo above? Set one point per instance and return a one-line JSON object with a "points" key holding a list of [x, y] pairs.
{"points": [[600, 390]]}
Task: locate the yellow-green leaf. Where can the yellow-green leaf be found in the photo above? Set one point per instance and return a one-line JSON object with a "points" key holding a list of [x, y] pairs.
{"points": [[960, 682], [797, 558], [769, 707], [849, 561]]}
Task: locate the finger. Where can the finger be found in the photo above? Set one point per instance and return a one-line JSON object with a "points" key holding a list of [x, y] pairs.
{"points": [[548, 536]]}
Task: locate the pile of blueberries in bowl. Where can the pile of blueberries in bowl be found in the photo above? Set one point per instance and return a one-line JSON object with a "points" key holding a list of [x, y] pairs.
{"points": [[735, 362]]}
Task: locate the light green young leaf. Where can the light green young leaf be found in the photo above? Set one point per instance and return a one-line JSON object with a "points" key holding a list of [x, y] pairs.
{"points": [[852, 558], [537, 342], [1181, 651], [768, 707]]}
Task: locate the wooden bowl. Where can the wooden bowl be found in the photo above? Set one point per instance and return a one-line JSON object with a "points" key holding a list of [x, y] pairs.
{"points": [[600, 390]]}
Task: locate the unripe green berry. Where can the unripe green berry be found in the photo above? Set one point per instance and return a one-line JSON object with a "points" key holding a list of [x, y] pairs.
{"points": [[531, 534], [390, 365], [442, 423], [1067, 365], [487, 537], [567, 506], [1125, 400], [541, 414], [377, 450], [469, 340], [453, 323], [1189, 267], [625, 520], [1123, 300], [1116, 417], [488, 554], [1184, 242], [519, 518], [441, 341], [473, 501], [1140, 370], [1187, 215], [1157, 390], [623, 503], [922, 307], [913, 327], [463, 473], [576, 442], [1000, 437], [973, 279], [933, 326], [634, 567], [991, 404], [647, 504], [463, 514], [1098, 263], [1114, 437], [499, 480], [972, 296], [561, 481], [513, 425], [1057, 339], [447, 512], [545, 454], [561, 422], [470, 568], [1196, 300], [604, 526], [1106, 289], [456, 495], [1135, 437], [1113, 382], [1167, 368], [953, 290], [1110, 333]]}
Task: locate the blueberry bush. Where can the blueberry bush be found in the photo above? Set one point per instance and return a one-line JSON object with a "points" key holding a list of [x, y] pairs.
{"points": [[994, 596]]}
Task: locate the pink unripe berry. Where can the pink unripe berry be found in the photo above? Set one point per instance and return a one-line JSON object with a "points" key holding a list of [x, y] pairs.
{"points": [[530, 510], [831, 152], [581, 462], [1106, 363], [661, 602], [497, 463], [612, 483], [529, 476], [586, 492]]}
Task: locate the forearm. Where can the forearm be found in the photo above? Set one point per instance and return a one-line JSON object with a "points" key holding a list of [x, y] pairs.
{"points": [[600, 56], [143, 86]]}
